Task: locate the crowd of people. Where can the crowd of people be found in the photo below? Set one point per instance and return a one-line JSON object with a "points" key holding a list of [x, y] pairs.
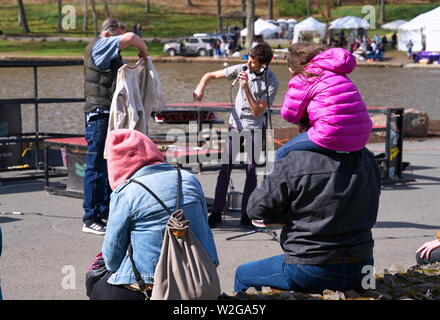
{"points": [[324, 188], [366, 49]]}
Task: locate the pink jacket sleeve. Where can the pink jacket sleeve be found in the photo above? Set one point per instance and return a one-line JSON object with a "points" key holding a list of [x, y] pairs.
{"points": [[296, 100]]}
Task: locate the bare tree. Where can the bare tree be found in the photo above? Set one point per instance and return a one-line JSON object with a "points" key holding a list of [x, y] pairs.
{"points": [[86, 15], [106, 9], [219, 18], [148, 7], [23, 20], [250, 19], [95, 17], [243, 9], [382, 12], [325, 9], [270, 10], [60, 16]]}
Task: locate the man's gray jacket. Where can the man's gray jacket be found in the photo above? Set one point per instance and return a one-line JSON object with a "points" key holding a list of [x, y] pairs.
{"points": [[328, 202]]}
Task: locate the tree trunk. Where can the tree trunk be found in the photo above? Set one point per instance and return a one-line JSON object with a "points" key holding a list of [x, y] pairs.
{"points": [[23, 20], [243, 9], [250, 20], [270, 10], [219, 13], [95, 18], [325, 9], [309, 8], [60, 16], [382, 12], [190, 4], [148, 7], [86, 15], [106, 9]]}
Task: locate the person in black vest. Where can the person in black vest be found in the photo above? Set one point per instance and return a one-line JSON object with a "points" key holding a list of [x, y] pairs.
{"points": [[102, 60]]}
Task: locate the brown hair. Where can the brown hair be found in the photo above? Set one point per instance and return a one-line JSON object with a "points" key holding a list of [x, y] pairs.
{"points": [[300, 54], [263, 53]]}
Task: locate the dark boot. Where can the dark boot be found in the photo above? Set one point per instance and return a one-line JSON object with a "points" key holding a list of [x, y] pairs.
{"points": [[214, 220]]}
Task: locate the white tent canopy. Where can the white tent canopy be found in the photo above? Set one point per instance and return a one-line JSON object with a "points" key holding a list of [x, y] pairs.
{"points": [[425, 25], [308, 25], [264, 28], [291, 20], [393, 25], [349, 22]]}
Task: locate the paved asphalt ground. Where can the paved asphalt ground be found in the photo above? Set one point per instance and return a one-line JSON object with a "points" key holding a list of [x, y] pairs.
{"points": [[45, 254]]}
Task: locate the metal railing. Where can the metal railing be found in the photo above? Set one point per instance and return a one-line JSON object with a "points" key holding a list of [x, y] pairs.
{"points": [[36, 136]]}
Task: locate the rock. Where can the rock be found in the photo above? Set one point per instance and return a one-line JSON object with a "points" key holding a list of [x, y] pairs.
{"points": [[351, 294], [287, 295], [251, 291], [415, 123], [267, 290], [395, 269], [332, 295]]}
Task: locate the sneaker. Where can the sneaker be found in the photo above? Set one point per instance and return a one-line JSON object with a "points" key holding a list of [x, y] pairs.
{"points": [[214, 220], [95, 227], [263, 224]]}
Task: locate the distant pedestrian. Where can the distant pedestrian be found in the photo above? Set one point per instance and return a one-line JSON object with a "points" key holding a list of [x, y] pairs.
{"points": [[394, 40], [137, 29], [409, 47]]}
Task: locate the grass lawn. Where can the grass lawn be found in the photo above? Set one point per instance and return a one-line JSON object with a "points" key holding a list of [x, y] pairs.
{"points": [[160, 23], [61, 48], [42, 20]]}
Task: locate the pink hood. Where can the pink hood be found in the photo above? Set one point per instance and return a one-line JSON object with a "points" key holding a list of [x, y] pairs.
{"points": [[337, 60], [337, 113], [128, 151]]}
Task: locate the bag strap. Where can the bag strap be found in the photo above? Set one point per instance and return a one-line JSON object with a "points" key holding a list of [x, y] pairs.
{"points": [[142, 285], [179, 192]]}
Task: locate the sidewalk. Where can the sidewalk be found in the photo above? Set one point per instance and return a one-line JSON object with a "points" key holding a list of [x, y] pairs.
{"points": [[44, 247]]}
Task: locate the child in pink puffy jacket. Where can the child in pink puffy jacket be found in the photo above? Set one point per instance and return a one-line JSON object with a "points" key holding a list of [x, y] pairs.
{"points": [[323, 101]]}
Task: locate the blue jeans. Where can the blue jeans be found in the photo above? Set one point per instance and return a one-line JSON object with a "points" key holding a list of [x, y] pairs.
{"points": [[274, 272], [96, 186], [300, 142]]}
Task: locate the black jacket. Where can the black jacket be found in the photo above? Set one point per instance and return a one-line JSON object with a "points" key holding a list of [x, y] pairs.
{"points": [[329, 203]]}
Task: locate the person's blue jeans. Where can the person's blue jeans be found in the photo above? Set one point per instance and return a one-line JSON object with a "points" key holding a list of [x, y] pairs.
{"points": [[96, 186], [274, 272], [300, 142]]}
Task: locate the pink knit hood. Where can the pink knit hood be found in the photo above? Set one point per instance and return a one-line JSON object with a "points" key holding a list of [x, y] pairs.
{"points": [[338, 115], [127, 152]]}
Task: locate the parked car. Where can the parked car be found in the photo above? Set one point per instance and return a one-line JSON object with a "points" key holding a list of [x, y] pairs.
{"points": [[199, 45]]}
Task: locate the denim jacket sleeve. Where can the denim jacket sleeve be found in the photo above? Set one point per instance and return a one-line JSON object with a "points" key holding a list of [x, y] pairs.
{"points": [[117, 235]]}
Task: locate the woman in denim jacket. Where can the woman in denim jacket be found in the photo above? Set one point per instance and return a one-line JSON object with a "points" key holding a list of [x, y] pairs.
{"points": [[136, 217]]}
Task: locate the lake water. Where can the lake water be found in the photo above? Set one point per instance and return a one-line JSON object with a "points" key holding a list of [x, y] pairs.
{"points": [[399, 87]]}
